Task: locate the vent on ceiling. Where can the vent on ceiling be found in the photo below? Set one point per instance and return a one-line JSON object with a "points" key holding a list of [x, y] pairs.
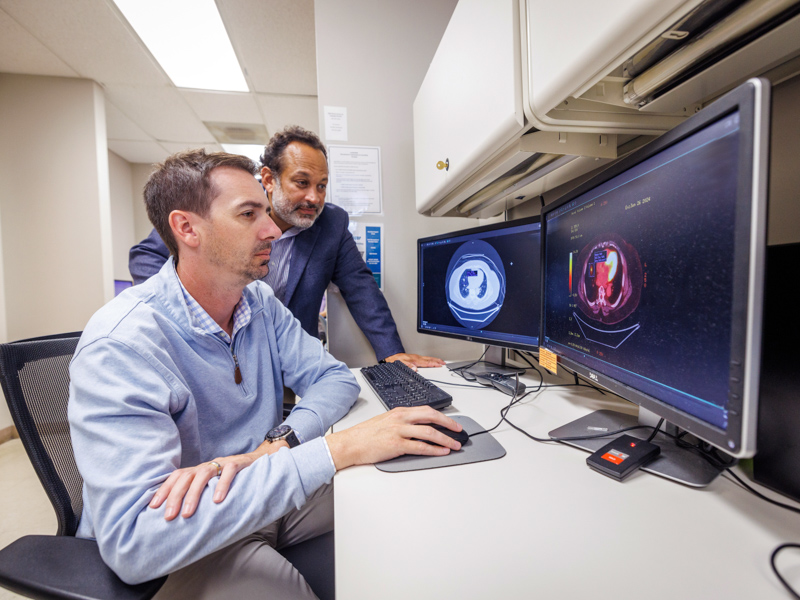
{"points": [[238, 133]]}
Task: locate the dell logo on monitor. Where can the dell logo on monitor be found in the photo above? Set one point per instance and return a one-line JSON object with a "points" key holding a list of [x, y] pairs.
{"points": [[592, 376]]}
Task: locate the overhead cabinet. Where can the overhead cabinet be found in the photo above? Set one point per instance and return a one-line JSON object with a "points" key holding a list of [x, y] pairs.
{"points": [[523, 96]]}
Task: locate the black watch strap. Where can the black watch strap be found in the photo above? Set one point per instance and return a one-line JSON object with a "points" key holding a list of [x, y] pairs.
{"points": [[283, 432]]}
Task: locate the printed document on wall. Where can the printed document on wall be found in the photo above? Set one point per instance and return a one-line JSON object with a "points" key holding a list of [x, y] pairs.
{"points": [[335, 123], [355, 179]]}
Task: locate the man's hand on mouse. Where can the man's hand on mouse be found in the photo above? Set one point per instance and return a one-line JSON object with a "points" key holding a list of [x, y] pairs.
{"points": [[392, 434]]}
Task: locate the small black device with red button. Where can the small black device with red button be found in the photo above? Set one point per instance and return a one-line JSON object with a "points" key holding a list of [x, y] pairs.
{"points": [[621, 457]]}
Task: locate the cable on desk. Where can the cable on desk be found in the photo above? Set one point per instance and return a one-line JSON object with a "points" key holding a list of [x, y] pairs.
{"points": [[482, 387], [576, 438], [759, 494], [775, 568], [655, 430], [480, 359], [522, 355], [514, 400]]}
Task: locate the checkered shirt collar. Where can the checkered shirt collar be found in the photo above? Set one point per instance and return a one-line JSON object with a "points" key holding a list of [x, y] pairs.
{"points": [[201, 319]]}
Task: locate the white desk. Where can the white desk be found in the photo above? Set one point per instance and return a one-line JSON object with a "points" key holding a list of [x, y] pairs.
{"points": [[538, 523]]}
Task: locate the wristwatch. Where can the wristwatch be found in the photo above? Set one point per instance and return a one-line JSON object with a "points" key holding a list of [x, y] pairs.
{"points": [[283, 432]]}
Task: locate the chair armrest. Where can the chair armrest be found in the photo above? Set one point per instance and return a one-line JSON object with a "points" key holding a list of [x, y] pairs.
{"points": [[48, 566]]}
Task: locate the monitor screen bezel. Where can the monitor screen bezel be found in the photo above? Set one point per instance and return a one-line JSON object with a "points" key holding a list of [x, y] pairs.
{"points": [[481, 339], [752, 101]]}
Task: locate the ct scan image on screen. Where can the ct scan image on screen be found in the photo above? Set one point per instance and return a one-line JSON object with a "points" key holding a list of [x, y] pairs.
{"points": [[482, 283], [475, 284], [639, 273]]}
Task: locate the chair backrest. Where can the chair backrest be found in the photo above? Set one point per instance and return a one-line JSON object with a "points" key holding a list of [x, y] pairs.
{"points": [[35, 379]]}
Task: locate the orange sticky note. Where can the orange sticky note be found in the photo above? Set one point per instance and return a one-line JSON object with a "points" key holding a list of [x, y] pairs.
{"points": [[548, 360]]}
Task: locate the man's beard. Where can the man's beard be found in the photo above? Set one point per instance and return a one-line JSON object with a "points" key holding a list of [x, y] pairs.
{"points": [[287, 211], [241, 264], [250, 272]]}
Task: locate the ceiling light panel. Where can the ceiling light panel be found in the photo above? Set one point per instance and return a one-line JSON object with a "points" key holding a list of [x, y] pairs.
{"points": [[251, 151], [188, 39]]}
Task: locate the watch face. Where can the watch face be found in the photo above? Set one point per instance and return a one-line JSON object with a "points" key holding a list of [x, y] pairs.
{"points": [[279, 431]]}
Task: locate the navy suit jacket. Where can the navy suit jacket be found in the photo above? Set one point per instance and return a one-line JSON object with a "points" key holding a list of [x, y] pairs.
{"points": [[323, 253]]}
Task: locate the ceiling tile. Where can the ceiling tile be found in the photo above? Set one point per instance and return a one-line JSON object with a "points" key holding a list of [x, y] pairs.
{"points": [[275, 42], [91, 37], [229, 107], [280, 111], [138, 151], [120, 127], [173, 147], [20, 52], [160, 111]]}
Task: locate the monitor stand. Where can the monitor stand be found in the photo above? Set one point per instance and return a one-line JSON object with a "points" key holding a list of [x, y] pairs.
{"points": [[494, 361], [676, 463]]}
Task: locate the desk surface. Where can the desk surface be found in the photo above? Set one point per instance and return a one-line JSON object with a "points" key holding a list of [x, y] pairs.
{"points": [[540, 523]]}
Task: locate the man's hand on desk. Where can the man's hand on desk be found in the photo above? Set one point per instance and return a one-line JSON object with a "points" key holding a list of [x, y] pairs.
{"points": [[392, 434], [185, 486], [415, 360]]}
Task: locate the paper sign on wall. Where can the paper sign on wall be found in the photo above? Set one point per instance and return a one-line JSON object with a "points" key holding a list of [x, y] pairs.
{"points": [[355, 179], [335, 123]]}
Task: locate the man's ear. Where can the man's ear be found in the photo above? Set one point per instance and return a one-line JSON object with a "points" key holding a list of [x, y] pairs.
{"points": [[184, 227], [267, 180]]}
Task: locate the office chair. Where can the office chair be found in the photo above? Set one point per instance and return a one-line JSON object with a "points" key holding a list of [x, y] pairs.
{"points": [[35, 378]]}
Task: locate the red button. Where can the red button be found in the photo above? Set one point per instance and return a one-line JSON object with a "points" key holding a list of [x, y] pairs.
{"points": [[612, 458]]}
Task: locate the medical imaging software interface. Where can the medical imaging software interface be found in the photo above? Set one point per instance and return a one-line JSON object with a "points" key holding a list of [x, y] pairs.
{"points": [[482, 284], [639, 273]]}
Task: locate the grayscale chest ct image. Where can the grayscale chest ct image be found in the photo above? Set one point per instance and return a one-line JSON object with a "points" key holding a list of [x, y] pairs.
{"points": [[475, 284]]}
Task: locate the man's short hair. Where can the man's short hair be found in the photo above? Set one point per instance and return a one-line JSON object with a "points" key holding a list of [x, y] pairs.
{"points": [[274, 150], [182, 183]]}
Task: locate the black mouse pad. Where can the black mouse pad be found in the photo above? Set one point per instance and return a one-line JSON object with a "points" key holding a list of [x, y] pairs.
{"points": [[477, 449]]}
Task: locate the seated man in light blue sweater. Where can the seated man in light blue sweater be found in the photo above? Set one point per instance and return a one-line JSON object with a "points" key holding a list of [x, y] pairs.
{"points": [[175, 384]]}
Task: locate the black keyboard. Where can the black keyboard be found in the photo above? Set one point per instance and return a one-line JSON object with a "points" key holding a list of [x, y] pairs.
{"points": [[397, 385]]}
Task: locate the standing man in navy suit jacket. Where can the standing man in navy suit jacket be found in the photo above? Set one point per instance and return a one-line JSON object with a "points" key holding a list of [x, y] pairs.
{"points": [[315, 249]]}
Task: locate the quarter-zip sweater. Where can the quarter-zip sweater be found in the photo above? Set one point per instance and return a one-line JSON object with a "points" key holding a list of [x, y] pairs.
{"points": [[151, 393]]}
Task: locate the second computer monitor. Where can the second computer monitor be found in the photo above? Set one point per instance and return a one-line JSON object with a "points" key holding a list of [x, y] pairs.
{"points": [[653, 272], [482, 284]]}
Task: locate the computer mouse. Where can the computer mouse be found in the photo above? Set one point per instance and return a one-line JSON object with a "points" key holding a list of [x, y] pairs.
{"points": [[460, 436]]}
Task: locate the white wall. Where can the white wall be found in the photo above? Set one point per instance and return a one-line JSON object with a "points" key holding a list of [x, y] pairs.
{"points": [[140, 173], [54, 203], [129, 222], [122, 214], [372, 56], [55, 223]]}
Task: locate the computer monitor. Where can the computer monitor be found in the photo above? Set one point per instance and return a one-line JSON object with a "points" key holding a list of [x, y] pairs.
{"points": [[652, 277], [482, 284], [120, 285]]}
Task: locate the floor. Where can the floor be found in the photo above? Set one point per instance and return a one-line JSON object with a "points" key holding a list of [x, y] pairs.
{"points": [[24, 506]]}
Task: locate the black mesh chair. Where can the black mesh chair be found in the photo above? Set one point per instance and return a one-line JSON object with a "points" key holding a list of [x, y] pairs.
{"points": [[35, 379]]}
